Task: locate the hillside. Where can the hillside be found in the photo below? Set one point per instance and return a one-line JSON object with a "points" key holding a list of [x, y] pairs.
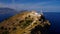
{"points": [[25, 23]]}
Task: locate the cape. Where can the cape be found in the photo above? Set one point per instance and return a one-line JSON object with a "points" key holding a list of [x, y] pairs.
{"points": [[26, 22]]}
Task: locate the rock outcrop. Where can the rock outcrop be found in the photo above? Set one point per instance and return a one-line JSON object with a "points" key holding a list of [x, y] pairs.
{"points": [[25, 23]]}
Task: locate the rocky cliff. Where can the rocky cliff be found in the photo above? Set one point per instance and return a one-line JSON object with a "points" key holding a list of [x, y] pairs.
{"points": [[27, 22]]}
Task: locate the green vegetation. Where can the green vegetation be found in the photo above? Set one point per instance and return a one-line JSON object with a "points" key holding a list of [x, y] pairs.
{"points": [[26, 22], [5, 32], [1, 27]]}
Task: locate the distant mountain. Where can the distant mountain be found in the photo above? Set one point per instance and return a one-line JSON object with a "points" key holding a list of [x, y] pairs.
{"points": [[6, 13], [7, 10]]}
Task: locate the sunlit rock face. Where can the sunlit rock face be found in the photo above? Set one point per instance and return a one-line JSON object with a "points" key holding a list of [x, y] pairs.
{"points": [[27, 22]]}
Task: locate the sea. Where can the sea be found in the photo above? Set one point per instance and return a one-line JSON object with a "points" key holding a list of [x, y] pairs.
{"points": [[54, 18]]}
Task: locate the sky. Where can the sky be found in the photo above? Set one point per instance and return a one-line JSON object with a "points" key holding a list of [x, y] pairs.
{"points": [[46, 5]]}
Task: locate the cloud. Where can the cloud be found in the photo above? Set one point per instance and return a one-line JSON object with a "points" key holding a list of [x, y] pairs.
{"points": [[50, 6]]}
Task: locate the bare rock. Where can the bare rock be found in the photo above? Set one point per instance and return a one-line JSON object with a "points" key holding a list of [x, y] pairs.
{"points": [[25, 23]]}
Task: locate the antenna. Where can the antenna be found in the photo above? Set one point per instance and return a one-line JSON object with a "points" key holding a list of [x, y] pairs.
{"points": [[41, 11]]}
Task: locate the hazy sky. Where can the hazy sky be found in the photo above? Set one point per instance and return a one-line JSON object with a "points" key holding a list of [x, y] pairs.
{"points": [[46, 5]]}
